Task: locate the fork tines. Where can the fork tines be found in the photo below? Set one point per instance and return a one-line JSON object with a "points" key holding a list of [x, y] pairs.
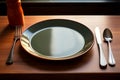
{"points": [[18, 31]]}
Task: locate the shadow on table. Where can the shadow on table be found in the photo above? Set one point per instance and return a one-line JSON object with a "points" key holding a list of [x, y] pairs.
{"points": [[48, 65]]}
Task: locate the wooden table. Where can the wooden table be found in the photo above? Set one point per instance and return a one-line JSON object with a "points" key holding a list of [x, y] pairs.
{"points": [[85, 67]]}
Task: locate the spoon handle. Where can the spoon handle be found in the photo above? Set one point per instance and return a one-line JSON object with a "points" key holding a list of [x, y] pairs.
{"points": [[111, 57]]}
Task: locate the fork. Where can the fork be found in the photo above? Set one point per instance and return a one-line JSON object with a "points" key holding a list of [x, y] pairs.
{"points": [[17, 35]]}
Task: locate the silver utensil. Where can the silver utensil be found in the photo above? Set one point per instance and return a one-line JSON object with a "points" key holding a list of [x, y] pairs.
{"points": [[102, 59], [17, 35], [107, 34]]}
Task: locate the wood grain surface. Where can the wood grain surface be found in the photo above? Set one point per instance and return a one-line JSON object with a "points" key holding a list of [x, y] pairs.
{"points": [[29, 67]]}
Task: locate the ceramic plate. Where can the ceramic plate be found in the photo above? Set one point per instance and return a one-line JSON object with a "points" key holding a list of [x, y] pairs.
{"points": [[57, 39]]}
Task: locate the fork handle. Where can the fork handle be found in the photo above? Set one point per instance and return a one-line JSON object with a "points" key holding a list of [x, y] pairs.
{"points": [[10, 57]]}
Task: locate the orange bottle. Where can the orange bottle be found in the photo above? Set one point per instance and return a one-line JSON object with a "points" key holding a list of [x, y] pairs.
{"points": [[15, 12]]}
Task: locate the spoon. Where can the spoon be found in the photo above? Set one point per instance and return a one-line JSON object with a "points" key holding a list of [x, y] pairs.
{"points": [[107, 34]]}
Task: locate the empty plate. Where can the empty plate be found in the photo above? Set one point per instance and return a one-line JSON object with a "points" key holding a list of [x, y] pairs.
{"points": [[57, 39]]}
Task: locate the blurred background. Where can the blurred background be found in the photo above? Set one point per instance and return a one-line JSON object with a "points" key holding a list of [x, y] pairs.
{"points": [[67, 0], [67, 7]]}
